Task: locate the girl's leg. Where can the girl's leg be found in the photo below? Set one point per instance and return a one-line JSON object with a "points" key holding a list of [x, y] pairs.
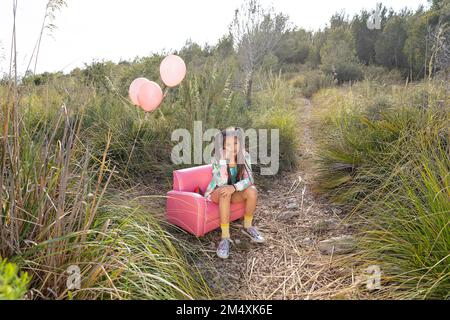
{"points": [[250, 196], [224, 210]]}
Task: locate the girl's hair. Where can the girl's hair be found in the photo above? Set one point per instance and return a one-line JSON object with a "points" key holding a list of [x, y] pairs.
{"points": [[241, 165]]}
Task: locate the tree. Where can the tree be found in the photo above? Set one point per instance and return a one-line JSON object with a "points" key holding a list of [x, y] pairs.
{"points": [[439, 37], [318, 40], [338, 20], [294, 46], [338, 55], [416, 44], [224, 47], [256, 32], [390, 44], [440, 48], [2, 52], [192, 51], [439, 11], [365, 37]]}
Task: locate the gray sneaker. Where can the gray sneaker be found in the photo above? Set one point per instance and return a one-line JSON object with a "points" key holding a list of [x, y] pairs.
{"points": [[253, 233], [223, 250]]}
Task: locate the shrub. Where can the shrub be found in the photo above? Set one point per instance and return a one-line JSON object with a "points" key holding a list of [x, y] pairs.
{"points": [[275, 108], [312, 81], [410, 235], [345, 71], [59, 212], [286, 123], [386, 157], [373, 73], [13, 285], [338, 56]]}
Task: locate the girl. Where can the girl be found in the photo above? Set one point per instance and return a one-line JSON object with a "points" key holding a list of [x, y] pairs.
{"points": [[232, 181]]}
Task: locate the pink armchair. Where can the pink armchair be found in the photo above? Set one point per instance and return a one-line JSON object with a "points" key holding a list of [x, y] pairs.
{"points": [[191, 211]]}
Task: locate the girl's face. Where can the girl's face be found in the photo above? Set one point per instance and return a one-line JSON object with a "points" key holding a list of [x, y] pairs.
{"points": [[231, 145]]}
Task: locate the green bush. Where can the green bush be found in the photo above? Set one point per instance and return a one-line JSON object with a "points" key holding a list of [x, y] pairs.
{"points": [[68, 217], [286, 123], [275, 108], [13, 285], [382, 75], [410, 236], [345, 71], [312, 81], [141, 258], [338, 55], [385, 156]]}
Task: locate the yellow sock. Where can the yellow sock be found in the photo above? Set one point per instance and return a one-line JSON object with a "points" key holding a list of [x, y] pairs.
{"points": [[225, 230], [248, 218]]}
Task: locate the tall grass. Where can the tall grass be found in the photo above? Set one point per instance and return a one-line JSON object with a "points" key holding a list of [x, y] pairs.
{"points": [[55, 215], [276, 107], [385, 156], [410, 237], [312, 81], [149, 262]]}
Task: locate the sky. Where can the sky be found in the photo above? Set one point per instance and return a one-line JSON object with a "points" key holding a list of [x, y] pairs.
{"points": [[115, 30]]}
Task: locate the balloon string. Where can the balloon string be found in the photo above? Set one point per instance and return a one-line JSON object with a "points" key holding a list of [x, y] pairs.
{"points": [[162, 114], [166, 91]]}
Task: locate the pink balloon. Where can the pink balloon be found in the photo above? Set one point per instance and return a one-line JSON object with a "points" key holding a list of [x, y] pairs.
{"points": [[150, 96], [172, 70], [134, 89]]}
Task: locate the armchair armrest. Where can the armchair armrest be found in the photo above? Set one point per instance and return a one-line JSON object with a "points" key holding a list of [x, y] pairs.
{"points": [[187, 210]]}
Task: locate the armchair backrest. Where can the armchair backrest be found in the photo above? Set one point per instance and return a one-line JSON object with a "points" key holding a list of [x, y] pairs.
{"points": [[189, 178]]}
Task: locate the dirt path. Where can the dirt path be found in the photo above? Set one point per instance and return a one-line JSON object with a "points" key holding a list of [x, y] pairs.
{"points": [[289, 265]]}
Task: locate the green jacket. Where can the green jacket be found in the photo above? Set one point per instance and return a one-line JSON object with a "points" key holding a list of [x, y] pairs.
{"points": [[220, 175]]}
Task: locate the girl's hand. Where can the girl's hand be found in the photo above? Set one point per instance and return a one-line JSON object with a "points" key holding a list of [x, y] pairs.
{"points": [[226, 191]]}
